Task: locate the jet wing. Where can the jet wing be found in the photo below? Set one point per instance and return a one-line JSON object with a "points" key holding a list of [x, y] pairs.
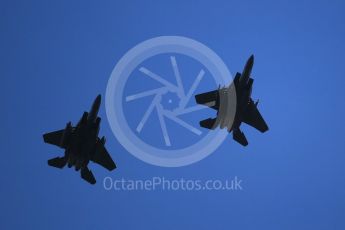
{"points": [[54, 138], [208, 99], [253, 118], [102, 157]]}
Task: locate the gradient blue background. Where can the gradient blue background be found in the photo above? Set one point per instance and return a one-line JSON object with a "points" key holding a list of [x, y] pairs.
{"points": [[55, 56]]}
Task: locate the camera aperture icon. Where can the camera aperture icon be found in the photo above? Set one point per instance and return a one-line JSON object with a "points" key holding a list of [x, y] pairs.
{"points": [[151, 108], [169, 101]]}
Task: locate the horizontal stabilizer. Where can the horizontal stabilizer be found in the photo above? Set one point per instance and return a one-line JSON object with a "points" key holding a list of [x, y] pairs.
{"points": [[239, 136], [57, 162], [87, 175], [208, 123]]}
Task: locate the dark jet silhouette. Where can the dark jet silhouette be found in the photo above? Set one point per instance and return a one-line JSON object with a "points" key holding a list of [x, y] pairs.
{"points": [[81, 144], [246, 109]]}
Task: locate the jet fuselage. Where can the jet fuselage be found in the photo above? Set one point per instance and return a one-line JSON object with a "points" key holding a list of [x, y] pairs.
{"points": [[82, 140], [229, 115], [243, 85], [81, 144]]}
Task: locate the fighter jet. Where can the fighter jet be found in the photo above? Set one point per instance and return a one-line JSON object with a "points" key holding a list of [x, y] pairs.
{"points": [[81, 144], [246, 110]]}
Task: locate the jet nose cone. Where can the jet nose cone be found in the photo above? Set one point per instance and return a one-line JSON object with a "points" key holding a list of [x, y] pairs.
{"points": [[98, 99], [249, 65], [251, 60]]}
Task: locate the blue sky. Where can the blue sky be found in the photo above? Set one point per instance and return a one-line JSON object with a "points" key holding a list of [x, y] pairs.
{"points": [[56, 56]]}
